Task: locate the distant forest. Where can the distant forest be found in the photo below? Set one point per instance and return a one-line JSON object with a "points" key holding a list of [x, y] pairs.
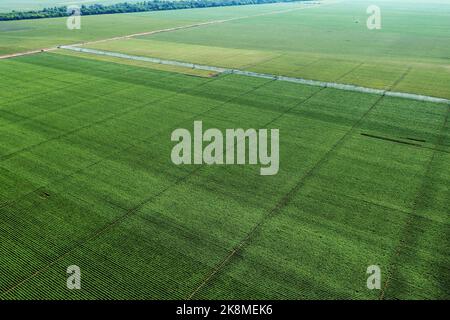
{"points": [[125, 7]]}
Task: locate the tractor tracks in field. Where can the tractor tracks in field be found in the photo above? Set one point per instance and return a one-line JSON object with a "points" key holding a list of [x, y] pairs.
{"points": [[286, 199], [412, 217], [139, 205], [79, 171], [400, 79], [350, 71], [110, 155]]}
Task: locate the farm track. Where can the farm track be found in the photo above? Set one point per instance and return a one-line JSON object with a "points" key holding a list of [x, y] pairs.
{"points": [[26, 53], [350, 71], [400, 79]]}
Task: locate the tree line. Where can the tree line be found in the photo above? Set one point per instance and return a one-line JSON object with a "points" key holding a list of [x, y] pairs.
{"points": [[125, 7]]}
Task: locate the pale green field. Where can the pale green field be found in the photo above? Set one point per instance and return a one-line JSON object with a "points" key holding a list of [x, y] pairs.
{"points": [[143, 64], [26, 35], [410, 53]]}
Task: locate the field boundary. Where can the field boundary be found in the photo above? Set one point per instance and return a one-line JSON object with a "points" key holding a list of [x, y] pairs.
{"points": [[26, 53], [315, 83]]}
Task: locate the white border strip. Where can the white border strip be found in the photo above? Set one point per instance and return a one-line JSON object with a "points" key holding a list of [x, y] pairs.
{"points": [[339, 86]]}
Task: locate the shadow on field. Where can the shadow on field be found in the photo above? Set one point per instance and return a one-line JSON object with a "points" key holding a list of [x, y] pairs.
{"points": [[419, 267], [390, 139]]}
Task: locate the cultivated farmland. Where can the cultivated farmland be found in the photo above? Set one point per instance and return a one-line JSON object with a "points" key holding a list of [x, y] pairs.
{"points": [[26, 35], [87, 179], [329, 43]]}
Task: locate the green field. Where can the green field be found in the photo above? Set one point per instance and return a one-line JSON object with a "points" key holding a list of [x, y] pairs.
{"points": [[411, 53], [87, 179], [26, 35]]}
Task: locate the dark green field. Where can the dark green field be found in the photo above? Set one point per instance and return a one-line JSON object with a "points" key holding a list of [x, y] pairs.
{"points": [[86, 177], [87, 180]]}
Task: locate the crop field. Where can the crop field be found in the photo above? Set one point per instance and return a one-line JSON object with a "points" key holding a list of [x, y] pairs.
{"points": [[411, 53], [86, 176], [18, 36], [86, 179]]}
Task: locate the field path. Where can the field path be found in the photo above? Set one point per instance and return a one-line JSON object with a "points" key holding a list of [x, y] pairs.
{"points": [[19, 54]]}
